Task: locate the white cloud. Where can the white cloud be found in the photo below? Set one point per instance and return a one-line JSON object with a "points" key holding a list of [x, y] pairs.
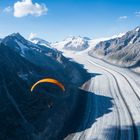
{"points": [[27, 7], [137, 14], [32, 35], [8, 9], [123, 17]]}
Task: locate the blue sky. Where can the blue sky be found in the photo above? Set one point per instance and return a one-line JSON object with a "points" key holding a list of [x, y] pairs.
{"points": [[61, 18]]}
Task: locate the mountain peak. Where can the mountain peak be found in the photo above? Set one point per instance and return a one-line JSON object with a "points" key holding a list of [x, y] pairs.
{"points": [[18, 35], [76, 38], [14, 36]]}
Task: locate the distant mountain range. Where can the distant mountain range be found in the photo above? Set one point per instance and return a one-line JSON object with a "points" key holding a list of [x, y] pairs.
{"points": [[123, 51], [79, 43], [72, 43]]}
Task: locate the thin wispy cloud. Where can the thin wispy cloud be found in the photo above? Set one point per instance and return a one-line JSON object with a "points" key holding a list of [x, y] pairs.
{"points": [[27, 7], [123, 17], [8, 9], [137, 14]]}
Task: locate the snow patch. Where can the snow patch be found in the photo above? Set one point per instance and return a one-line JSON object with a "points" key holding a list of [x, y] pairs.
{"points": [[22, 46], [137, 29], [23, 76]]}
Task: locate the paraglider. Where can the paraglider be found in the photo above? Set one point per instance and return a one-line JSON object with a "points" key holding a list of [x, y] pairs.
{"points": [[49, 80]]}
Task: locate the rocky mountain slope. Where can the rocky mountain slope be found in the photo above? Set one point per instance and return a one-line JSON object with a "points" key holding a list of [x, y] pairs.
{"points": [[26, 115], [123, 51]]}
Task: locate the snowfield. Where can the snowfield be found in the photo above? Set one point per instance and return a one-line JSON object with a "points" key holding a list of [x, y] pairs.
{"points": [[122, 121]]}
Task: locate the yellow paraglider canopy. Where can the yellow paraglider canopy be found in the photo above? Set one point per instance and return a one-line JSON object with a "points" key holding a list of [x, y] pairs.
{"points": [[48, 80]]}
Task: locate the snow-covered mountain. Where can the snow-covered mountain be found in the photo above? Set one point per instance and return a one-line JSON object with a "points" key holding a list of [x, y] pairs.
{"points": [[40, 41], [95, 41], [25, 115], [79, 43], [124, 50], [72, 43]]}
